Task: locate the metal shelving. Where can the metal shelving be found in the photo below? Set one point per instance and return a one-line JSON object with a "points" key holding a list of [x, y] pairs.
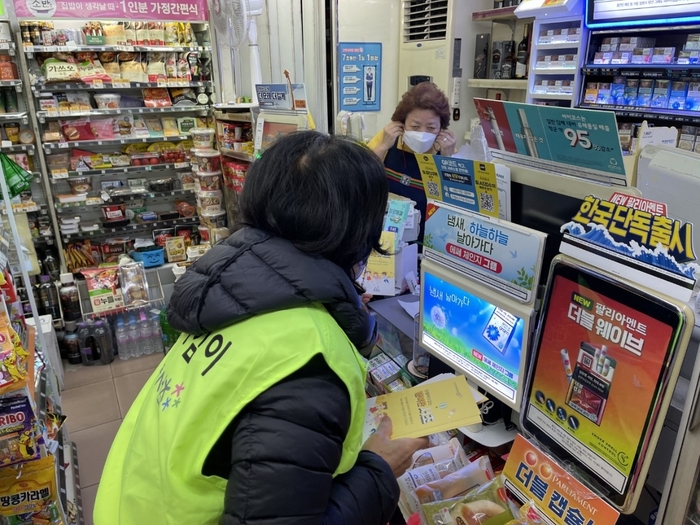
{"points": [[78, 206], [83, 86], [59, 175], [51, 146], [49, 115], [131, 228]]}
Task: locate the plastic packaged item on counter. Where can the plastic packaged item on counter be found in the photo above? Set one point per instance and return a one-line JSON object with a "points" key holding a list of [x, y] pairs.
{"points": [[161, 235], [219, 234], [206, 160], [209, 202], [187, 180], [112, 249], [114, 212], [102, 288], [478, 507], [165, 184], [209, 181], [18, 431], [195, 252], [203, 138], [107, 100], [175, 249], [29, 494], [132, 277]]}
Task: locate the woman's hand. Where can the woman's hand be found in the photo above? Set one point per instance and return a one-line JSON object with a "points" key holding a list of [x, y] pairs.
{"points": [[391, 133], [445, 143], [397, 453]]}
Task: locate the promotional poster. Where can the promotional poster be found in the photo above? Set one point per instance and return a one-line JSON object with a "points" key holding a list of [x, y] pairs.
{"points": [[500, 255], [483, 339], [595, 379]]}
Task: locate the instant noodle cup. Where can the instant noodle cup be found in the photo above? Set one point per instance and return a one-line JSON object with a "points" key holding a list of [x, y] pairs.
{"points": [[213, 220], [108, 100], [206, 160], [210, 181], [209, 201], [203, 137], [80, 185]]}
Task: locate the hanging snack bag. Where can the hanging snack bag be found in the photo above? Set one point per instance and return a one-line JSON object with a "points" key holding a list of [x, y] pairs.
{"points": [[102, 288], [13, 368], [17, 433], [29, 494], [132, 277], [156, 98]]}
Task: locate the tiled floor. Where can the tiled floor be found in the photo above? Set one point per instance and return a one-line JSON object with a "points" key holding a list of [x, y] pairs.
{"points": [[96, 399]]}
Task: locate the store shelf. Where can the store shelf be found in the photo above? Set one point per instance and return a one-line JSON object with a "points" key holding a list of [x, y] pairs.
{"points": [[14, 117], [243, 106], [18, 148], [559, 45], [48, 115], [131, 228], [490, 15], [10, 83], [72, 86], [20, 208], [124, 169], [553, 96], [669, 115], [51, 146], [30, 50], [240, 155], [71, 492], [77, 206], [669, 71], [497, 83], [555, 71]]}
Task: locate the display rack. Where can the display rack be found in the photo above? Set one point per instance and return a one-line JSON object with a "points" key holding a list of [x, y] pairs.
{"points": [[55, 150]]}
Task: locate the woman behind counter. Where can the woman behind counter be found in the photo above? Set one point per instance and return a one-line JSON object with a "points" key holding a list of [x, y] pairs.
{"points": [[418, 125]]}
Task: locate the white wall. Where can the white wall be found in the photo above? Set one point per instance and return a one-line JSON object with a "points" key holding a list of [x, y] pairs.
{"points": [[375, 21]]}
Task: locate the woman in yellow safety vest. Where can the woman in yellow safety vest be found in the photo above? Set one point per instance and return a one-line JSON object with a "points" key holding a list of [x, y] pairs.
{"points": [[255, 416]]}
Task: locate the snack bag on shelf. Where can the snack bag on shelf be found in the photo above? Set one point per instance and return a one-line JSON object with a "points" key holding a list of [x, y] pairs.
{"points": [[18, 431], [102, 288], [29, 494], [134, 285], [485, 505], [13, 367]]}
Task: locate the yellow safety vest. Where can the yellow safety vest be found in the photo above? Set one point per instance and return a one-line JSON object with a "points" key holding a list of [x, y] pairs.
{"points": [[153, 473]]}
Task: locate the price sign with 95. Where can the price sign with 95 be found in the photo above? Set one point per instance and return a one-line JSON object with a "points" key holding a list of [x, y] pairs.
{"points": [[578, 137]]}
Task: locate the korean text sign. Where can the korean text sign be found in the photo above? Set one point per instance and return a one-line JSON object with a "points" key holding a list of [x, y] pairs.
{"points": [[481, 338], [583, 139], [647, 226], [174, 10], [360, 77], [496, 253], [469, 184], [596, 376], [557, 494]]}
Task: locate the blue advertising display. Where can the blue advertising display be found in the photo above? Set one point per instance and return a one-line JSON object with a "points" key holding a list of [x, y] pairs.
{"points": [[360, 85], [571, 141], [483, 339], [497, 254]]}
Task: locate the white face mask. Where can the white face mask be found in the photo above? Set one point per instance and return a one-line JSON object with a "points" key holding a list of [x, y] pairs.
{"points": [[419, 141]]}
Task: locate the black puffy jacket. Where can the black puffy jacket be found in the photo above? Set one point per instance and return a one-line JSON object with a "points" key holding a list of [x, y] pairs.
{"points": [[280, 452]]}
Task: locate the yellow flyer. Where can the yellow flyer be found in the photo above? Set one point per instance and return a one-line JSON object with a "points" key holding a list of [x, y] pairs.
{"points": [[378, 277], [431, 176], [424, 409]]}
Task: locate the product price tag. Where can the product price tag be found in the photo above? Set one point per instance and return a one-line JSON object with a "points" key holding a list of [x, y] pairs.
{"points": [[59, 174], [121, 84], [98, 84], [62, 145], [92, 201], [179, 165], [162, 84]]}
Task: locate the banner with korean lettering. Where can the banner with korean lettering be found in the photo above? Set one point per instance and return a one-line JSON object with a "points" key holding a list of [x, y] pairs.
{"points": [[558, 496], [469, 184], [167, 10], [596, 376], [496, 253], [570, 141]]}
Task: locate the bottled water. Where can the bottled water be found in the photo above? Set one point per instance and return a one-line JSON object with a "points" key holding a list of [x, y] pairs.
{"points": [[157, 334], [135, 336], [146, 333], [124, 345]]}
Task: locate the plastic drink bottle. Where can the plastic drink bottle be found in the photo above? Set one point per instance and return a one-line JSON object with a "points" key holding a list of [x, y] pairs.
{"points": [[146, 334], [135, 337], [104, 339], [85, 340], [169, 334], [123, 340]]}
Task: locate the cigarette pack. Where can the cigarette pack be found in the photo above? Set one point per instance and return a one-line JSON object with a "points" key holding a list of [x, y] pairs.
{"points": [[621, 57], [589, 385], [642, 55], [693, 42], [565, 87], [646, 87], [617, 91], [540, 87], [691, 56], [692, 99], [603, 58], [591, 93], [631, 90], [679, 90], [663, 55], [604, 94], [545, 37], [659, 98]]}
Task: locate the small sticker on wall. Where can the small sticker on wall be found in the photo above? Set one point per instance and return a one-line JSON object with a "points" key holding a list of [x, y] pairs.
{"points": [[441, 53]]}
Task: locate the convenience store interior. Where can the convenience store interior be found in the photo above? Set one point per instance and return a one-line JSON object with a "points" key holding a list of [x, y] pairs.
{"points": [[146, 157]]}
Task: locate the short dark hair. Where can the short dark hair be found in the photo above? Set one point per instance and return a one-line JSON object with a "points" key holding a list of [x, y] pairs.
{"points": [[425, 95], [325, 194]]}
